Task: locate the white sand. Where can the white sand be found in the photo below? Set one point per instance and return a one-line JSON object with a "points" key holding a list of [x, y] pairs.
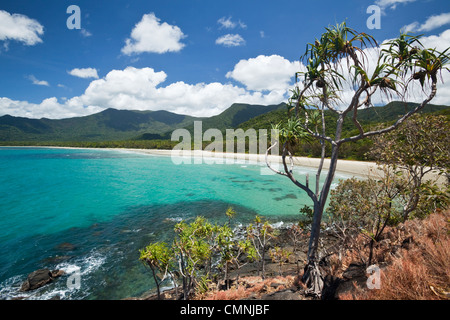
{"points": [[359, 168]]}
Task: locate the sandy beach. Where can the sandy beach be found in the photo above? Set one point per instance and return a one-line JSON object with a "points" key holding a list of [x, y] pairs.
{"points": [[358, 168]]}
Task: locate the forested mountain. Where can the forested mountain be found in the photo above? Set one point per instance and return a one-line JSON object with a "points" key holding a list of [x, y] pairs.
{"points": [[112, 124], [121, 125]]}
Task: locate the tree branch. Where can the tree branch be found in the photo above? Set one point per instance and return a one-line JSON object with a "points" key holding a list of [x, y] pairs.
{"points": [[267, 160], [396, 124], [289, 174]]}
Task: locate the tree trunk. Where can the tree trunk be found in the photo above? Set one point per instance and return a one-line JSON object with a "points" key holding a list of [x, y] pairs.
{"points": [[156, 281], [312, 276]]}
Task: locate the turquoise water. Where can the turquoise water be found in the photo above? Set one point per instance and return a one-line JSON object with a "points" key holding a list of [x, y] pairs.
{"points": [[92, 210]]}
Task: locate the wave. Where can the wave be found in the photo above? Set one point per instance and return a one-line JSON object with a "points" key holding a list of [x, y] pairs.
{"points": [[61, 288]]}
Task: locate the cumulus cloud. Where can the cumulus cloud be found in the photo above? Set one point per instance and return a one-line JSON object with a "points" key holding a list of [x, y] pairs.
{"points": [[20, 28], [84, 73], [142, 89], [230, 40], [265, 72], [150, 35], [48, 108], [35, 81], [431, 23]]}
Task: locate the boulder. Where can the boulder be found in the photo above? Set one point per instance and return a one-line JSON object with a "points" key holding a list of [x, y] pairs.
{"points": [[355, 271], [354, 277], [39, 278]]}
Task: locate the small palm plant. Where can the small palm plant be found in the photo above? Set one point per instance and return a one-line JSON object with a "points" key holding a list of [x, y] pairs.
{"points": [[159, 258]]}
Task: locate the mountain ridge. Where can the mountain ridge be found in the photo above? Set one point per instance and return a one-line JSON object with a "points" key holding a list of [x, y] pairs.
{"points": [[114, 124]]}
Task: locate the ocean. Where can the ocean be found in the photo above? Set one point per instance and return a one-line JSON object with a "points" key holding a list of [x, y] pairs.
{"points": [[89, 211]]}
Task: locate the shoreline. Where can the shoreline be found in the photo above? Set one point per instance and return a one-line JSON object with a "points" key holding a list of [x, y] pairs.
{"points": [[361, 169]]}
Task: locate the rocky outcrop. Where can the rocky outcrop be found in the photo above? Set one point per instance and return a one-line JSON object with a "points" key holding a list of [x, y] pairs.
{"points": [[39, 278]]}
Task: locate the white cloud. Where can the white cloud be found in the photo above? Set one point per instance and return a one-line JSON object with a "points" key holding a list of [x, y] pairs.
{"points": [[230, 40], [242, 24], [122, 87], [227, 23], [20, 28], [84, 73], [265, 72], [412, 27], [142, 89], [35, 81], [431, 23], [265, 80], [391, 4], [48, 108], [149, 35], [439, 42], [85, 33]]}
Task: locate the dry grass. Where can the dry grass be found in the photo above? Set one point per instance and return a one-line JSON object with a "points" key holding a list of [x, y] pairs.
{"points": [[419, 271], [251, 286]]}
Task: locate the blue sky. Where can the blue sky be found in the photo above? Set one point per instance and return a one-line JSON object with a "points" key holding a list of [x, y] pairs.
{"points": [[194, 57]]}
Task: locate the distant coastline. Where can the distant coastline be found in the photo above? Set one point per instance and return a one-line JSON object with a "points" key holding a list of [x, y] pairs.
{"points": [[361, 169]]}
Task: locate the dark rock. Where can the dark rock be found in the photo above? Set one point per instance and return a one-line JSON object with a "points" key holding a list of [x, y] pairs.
{"points": [[39, 278], [345, 287], [57, 273], [56, 259], [330, 286], [286, 294], [66, 246], [354, 277], [354, 270]]}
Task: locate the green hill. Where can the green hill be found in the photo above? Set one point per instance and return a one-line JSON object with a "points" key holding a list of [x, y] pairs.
{"points": [[373, 115], [126, 125], [369, 118], [112, 124], [238, 113], [393, 110]]}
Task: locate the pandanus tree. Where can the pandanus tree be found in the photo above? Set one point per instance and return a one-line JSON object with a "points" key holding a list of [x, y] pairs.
{"points": [[339, 63]]}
